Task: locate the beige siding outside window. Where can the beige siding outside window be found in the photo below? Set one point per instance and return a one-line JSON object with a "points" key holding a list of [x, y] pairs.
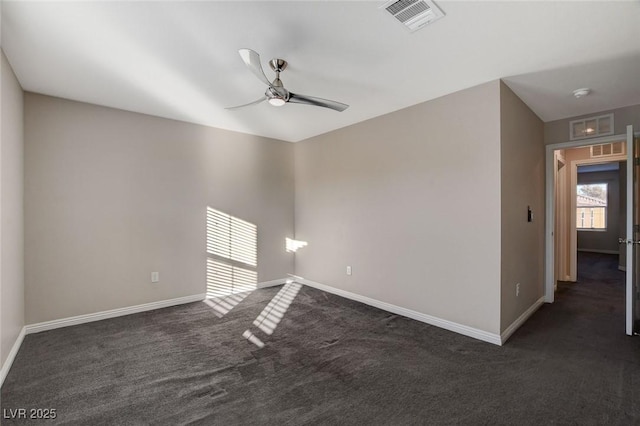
{"points": [[591, 204]]}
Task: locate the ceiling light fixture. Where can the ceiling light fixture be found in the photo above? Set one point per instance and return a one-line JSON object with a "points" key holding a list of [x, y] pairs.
{"points": [[578, 93], [277, 101]]}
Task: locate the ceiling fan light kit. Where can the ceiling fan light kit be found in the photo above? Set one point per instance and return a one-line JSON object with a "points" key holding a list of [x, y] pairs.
{"points": [[277, 101], [578, 93], [276, 94]]}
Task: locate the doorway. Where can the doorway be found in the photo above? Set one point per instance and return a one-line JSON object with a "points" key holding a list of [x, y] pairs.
{"points": [[561, 239], [589, 209]]}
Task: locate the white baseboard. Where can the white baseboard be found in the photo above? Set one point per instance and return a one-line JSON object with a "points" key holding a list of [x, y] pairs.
{"points": [[82, 319], [418, 316], [521, 319], [12, 355], [97, 316], [273, 283]]}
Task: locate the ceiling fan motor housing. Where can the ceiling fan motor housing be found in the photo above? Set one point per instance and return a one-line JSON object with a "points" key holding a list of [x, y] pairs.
{"points": [[277, 92]]}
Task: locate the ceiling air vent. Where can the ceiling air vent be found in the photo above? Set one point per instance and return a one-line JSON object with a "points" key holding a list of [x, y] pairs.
{"points": [[591, 127], [414, 14], [608, 149]]}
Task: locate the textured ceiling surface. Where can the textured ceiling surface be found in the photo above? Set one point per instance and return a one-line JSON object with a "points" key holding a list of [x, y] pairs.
{"points": [[179, 59]]}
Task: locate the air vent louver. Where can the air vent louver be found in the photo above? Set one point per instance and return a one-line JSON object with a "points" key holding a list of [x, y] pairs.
{"points": [[591, 127], [608, 149], [414, 14]]}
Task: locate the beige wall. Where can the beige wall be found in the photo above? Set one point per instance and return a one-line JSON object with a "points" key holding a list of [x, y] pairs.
{"points": [[111, 196], [558, 131], [11, 212], [391, 198], [522, 177]]}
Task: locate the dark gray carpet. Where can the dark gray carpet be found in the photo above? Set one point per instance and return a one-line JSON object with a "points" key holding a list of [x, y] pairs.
{"points": [[333, 361]]}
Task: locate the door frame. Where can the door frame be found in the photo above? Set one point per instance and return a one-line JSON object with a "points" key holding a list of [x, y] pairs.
{"points": [[632, 220], [560, 217], [549, 223], [573, 181]]}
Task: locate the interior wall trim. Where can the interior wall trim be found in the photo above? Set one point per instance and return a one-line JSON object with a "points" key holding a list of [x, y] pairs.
{"points": [[12, 355], [418, 316], [273, 283], [82, 319], [520, 320], [97, 316]]}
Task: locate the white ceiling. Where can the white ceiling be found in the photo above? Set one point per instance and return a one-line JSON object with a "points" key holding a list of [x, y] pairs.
{"points": [[179, 59]]}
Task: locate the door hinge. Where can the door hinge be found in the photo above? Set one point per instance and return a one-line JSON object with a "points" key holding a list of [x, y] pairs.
{"points": [[636, 228], [636, 161]]}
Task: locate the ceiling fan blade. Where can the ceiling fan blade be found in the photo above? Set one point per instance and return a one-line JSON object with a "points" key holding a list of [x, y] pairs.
{"points": [[252, 61], [264, 98], [310, 100]]}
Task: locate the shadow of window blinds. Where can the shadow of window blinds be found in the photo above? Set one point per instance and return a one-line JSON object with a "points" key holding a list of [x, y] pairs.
{"points": [[232, 255]]}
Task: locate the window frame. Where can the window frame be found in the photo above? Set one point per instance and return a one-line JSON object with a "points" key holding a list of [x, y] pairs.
{"points": [[580, 210]]}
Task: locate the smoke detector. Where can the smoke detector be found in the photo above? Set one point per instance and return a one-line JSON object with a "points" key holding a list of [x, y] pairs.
{"points": [[413, 14], [578, 93]]}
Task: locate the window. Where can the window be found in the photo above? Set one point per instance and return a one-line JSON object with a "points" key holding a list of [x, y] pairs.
{"points": [[232, 257], [591, 206]]}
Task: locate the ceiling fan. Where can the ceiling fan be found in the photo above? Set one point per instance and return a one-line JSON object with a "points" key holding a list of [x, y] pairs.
{"points": [[276, 94]]}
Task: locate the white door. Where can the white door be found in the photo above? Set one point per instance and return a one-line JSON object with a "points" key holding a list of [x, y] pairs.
{"points": [[633, 237]]}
